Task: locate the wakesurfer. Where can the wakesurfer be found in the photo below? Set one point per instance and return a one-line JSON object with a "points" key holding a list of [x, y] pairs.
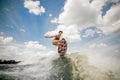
{"points": [[56, 37]]}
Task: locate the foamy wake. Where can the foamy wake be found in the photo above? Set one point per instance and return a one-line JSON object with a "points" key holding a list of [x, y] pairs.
{"points": [[74, 66]]}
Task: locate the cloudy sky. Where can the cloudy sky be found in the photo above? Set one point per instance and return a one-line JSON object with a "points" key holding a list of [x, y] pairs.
{"points": [[86, 24]]}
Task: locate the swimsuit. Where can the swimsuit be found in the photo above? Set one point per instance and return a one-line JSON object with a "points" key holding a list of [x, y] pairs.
{"points": [[57, 38]]}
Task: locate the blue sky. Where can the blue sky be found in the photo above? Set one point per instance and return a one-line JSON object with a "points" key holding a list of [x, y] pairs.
{"points": [[18, 22], [14, 17]]}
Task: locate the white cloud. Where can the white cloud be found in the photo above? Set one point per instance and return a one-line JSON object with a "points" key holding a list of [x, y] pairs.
{"points": [[23, 51], [34, 7], [55, 20], [50, 15], [79, 12], [71, 33], [5, 40], [34, 45], [92, 45], [89, 33], [111, 21], [84, 14], [98, 45], [22, 30], [101, 45]]}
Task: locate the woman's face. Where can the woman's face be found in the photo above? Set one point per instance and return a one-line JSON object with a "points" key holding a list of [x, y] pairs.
{"points": [[60, 33]]}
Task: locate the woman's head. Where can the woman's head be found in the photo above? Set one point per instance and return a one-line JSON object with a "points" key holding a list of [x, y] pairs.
{"points": [[60, 32]]}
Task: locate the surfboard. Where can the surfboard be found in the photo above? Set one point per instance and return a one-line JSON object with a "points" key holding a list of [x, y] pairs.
{"points": [[62, 47]]}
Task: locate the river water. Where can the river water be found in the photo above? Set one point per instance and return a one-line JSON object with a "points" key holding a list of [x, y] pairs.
{"points": [[73, 66]]}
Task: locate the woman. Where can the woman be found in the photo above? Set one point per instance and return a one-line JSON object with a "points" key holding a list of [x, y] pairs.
{"points": [[56, 38]]}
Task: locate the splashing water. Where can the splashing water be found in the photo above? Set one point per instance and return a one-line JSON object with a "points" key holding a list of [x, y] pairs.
{"points": [[74, 66]]}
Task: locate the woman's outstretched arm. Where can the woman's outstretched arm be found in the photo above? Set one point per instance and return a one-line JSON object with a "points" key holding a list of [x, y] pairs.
{"points": [[50, 36]]}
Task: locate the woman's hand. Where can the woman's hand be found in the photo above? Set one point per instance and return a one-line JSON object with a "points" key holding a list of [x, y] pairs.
{"points": [[46, 36]]}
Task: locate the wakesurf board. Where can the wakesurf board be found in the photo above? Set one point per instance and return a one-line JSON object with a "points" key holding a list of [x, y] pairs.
{"points": [[62, 47]]}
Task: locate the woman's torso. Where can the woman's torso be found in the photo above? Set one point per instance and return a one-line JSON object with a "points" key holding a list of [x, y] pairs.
{"points": [[57, 37]]}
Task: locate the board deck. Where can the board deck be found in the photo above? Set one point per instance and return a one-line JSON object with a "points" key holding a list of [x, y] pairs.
{"points": [[62, 47]]}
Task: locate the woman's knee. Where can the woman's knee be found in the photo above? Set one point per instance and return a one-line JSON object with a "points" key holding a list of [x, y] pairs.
{"points": [[54, 43]]}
